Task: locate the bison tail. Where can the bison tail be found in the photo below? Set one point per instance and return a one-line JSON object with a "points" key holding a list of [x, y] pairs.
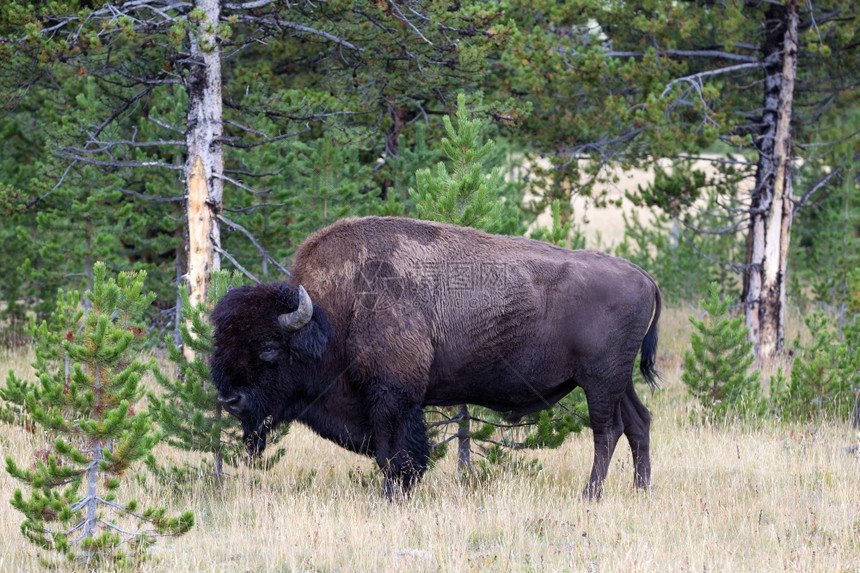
{"points": [[649, 346]]}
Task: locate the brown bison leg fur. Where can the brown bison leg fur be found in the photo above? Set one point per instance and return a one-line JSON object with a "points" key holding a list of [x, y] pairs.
{"points": [[607, 424], [402, 449], [637, 426]]}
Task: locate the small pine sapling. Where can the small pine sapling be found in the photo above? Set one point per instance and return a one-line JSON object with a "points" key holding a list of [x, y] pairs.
{"points": [[49, 352], [187, 410], [559, 233], [717, 367], [85, 401], [469, 190], [825, 375]]}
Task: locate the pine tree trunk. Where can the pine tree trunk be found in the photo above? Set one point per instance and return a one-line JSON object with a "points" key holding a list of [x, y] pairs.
{"points": [[464, 441], [92, 514], [771, 205], [218, 456], [205, 164]]}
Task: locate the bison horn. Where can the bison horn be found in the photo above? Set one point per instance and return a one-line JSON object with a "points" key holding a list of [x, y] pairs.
{"points": [[292, 321]]}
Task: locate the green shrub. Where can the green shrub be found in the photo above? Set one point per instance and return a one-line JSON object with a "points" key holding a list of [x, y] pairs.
{"points": [[717, 367]]}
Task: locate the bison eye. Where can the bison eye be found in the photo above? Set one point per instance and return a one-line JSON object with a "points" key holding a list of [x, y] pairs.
{"points": [[269, 352]]}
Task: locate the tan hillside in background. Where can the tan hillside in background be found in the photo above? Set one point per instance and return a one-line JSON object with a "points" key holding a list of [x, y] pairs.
{"points": [[603, 227]]}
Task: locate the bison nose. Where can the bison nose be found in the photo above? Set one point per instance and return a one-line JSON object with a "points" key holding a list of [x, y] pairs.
{"points": [[235, 403]]}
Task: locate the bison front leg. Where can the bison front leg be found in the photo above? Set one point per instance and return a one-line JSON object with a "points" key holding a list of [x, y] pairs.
{"points": [[402, 450], [607, 424]]}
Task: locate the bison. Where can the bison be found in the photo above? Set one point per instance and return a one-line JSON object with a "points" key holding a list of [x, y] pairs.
{"points": [[382, 316]]}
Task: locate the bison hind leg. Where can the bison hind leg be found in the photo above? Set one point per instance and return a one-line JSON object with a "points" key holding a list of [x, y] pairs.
{"points": [[607, 425], [402, 451], [637, 428]]}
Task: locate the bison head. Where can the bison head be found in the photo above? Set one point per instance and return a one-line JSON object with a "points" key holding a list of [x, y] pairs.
{"points": [[269, 340]]}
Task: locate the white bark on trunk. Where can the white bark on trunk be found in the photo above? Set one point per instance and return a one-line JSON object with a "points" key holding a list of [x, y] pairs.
{"points": [[771, 206], [205, 164]]}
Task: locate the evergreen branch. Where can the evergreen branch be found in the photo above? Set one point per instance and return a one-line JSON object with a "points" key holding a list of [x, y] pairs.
{"points": [[504, 444], [131, 534], [450, 438], [125, 510], [236, 264], [260, 248]]}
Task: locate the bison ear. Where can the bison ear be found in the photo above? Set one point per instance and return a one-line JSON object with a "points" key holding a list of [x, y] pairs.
{"points": [[308, 343]]}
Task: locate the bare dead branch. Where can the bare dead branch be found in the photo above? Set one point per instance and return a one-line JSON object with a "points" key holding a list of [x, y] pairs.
{"points": [[717, 54], [164, 124], [250, 5], [227, 141], [252, 174], [119, 164], [106, 146], [815, 188], [55, 187], [236, 264], [277, 22], [407, 21], [120, 110], [254, 241], [733, 266], [252, 208], [174, 199], [241, 185], [696, 79]]}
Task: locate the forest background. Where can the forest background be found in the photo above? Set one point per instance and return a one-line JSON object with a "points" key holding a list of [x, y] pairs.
{"points": [[303, 113], [124, 123]]}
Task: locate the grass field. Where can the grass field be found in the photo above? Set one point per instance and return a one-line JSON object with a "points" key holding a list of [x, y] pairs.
{"points": [[766, 498]]}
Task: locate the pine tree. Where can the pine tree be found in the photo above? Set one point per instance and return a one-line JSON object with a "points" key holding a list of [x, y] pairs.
{"points": [[825, 376], [470, 189], [89, 411], [187, 410], [717, 368]]}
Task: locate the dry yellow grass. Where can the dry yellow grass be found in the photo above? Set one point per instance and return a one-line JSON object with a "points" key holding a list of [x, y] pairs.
{"points": [[724, 499]]}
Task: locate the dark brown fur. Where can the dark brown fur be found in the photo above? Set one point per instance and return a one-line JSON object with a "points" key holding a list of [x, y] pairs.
{"points": [[410, 313]]}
